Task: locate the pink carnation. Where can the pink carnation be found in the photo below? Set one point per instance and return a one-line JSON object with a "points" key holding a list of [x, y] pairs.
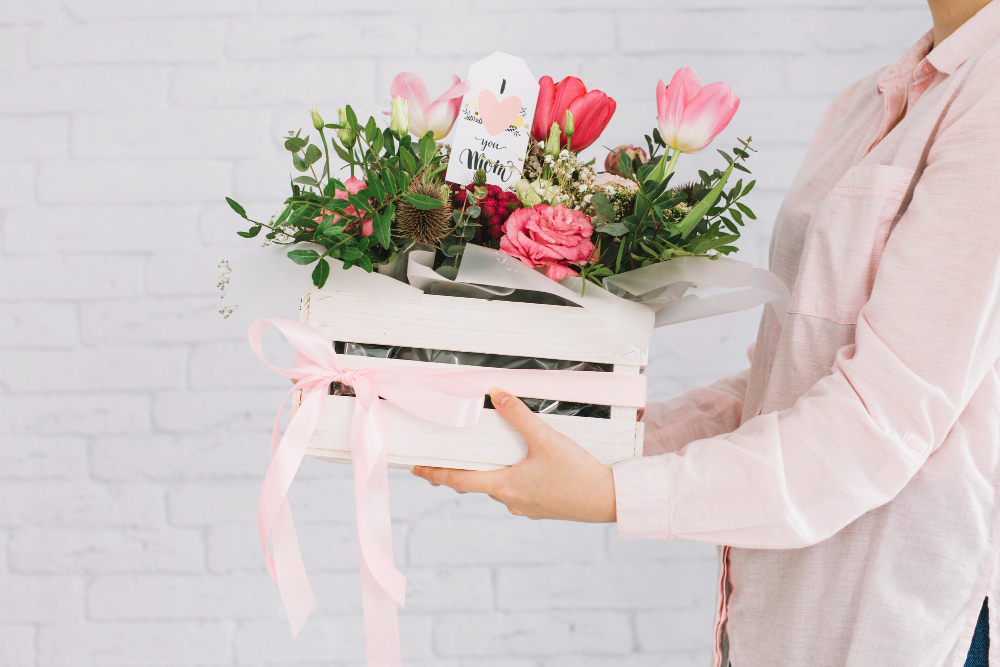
{"points": [[549, 236]]}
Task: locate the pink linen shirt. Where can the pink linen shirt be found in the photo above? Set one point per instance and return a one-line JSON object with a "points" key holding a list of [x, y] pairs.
{"points": [[854, 469]]}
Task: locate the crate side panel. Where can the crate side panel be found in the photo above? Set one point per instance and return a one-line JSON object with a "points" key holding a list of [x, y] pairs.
{"points": [[492, 444], [472, 325]]}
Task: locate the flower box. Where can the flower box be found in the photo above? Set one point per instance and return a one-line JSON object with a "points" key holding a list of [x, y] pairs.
{"points": [[480, 326]]}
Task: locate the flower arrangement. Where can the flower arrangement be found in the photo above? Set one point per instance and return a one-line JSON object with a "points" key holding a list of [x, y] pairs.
{"points": [[562, 216]]}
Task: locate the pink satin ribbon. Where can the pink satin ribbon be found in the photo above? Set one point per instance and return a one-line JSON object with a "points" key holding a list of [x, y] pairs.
{"points": [[448, 397]]}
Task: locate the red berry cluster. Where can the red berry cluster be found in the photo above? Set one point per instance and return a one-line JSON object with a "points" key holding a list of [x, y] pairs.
{"points": [[495, 209]]}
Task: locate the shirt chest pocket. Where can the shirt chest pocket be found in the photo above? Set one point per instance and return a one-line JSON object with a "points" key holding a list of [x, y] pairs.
{"points": [[844, 243]]}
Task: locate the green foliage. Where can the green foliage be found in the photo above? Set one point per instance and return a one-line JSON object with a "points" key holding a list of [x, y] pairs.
{"points": [[321, 208], [660, 221], [701, 220]]}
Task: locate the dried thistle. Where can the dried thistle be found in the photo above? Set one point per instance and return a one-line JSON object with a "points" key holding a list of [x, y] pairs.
{"points": [[425, 226]]}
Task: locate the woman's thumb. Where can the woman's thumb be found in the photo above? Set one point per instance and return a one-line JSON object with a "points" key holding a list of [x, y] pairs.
{"points": [[527, 423]]}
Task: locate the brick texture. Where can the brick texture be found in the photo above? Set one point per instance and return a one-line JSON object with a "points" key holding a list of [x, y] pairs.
{"points": [[135, 421]]}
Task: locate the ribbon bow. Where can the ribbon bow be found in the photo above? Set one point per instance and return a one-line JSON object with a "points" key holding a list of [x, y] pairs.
{"points": [[444, 399], [452, 397]]}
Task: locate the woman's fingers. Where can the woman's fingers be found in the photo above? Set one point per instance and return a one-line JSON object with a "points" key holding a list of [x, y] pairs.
{"points": [[463, 481], [520, 416]]}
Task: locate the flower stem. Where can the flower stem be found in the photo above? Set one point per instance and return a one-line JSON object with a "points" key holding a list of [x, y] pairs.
{"points": [[665, 167]]}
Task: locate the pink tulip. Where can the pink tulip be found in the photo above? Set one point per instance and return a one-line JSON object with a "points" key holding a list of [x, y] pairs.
{"points": [[691, 116], [426, 116]]}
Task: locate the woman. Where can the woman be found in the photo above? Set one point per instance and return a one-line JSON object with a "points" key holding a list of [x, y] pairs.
{"points": [[854, 469]]}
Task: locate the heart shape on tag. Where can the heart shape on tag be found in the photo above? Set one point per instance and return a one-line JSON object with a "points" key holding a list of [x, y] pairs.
{"points": [[497, 116]]}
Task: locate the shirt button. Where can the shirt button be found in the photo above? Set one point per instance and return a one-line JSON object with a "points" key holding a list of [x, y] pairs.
{"points": [[913, 442]]}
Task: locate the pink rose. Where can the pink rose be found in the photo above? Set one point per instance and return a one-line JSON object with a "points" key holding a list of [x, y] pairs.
{"points": [[354, 186], [549, 236]]}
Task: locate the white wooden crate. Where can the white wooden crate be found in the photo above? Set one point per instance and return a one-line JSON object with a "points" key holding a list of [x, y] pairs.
{"points": [[471, 325]]}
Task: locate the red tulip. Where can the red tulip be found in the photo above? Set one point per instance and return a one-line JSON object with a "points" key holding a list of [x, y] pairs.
{"points": [[591, 111]]}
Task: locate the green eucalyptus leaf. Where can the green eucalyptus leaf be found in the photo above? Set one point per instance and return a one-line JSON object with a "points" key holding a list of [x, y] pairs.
{"points": [[389, 141], [303, 256], [321, 273], [375, 189], [425, 203], [378, 141], [746, 210], [409, 162], [359, 203], [449, 272], [381, 224], [306, 180], [613, 229], [233, 204], [428, 149], [603, 206], [313, 154], [295, 144], [299, 163], [371, 130]]}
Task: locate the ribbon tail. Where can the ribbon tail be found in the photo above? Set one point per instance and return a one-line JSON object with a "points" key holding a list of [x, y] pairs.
{"points": [[382, 585], [293, 583], [274, 515]]}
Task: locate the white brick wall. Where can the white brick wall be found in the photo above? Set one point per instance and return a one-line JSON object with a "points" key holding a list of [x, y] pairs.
{"points": [[134, 427]]}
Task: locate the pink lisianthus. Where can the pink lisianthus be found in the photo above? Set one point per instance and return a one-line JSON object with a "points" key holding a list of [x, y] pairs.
{"points": [[549, 236], [611, 179], [354, 186]]}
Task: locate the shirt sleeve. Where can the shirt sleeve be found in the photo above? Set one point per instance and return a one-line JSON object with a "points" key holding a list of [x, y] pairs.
{"points": [[703, 412], [924, 343]]}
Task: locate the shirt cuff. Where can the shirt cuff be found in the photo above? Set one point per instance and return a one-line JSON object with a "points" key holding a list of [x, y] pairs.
{"points": [[642, 499]]}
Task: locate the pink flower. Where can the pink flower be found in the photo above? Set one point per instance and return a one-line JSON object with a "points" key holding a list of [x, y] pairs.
{"points": [[691, 116], [426, 116], [354, 186], [549, 236], [611, 179], [630, 152]]}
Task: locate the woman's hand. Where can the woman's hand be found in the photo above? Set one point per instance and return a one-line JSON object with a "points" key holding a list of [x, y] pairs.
{"points": [[559, 479]]}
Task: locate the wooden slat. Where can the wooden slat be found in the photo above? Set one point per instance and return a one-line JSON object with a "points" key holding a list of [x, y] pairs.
{"points": [[625, 412], [491, 445], [471, 325], [351, 361]]}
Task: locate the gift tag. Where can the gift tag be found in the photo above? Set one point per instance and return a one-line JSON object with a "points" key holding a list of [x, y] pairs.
{"points": [[494, 124]]}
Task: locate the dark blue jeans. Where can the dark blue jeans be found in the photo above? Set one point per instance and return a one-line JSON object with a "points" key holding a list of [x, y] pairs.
{"points": [[979, 652]]}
